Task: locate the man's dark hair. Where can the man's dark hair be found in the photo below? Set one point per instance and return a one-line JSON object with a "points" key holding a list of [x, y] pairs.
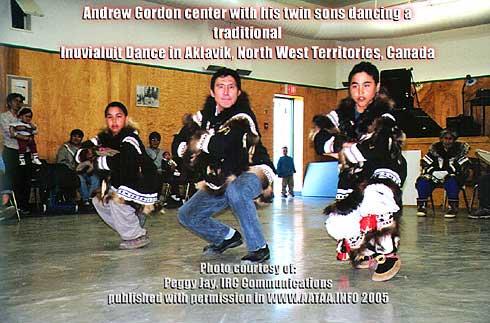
{"points": [[226, 72], [156, 135], [367, 67], [13, 96], [77, 132]]}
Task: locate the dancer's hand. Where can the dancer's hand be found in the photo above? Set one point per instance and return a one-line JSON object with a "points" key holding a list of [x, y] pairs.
{"points": [[107, 152]]}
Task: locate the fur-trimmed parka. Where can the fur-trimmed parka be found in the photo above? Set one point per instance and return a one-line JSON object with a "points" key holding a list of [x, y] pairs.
{"points": [[228, 143], [128, 170], [376, 141]]}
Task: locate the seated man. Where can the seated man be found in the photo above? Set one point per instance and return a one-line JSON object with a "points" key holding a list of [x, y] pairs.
{"points": [[89, 182], [154, 152], [446, 163]]}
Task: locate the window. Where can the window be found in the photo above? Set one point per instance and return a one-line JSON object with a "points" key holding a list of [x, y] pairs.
{"points": [[19, 19], [21, 11]]}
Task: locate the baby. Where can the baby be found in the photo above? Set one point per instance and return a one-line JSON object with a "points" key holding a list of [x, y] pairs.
{"points": [[25, 128]]}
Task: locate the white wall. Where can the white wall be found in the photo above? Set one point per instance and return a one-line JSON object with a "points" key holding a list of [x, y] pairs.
{"points": [[62, 25], [459, 52]]}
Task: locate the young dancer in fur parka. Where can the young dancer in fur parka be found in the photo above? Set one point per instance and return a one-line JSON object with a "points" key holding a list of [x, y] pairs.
{"points": [[363, 131], [130, 181]]}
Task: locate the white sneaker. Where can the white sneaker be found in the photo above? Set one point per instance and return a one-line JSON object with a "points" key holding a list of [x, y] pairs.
{"points": [[36, 161], [22, 162]]}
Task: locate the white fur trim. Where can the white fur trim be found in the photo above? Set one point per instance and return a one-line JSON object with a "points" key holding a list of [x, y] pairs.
{"points": [[356, 242], [388, 115], [328, 147], [181, 149], [93, 140], [77, 156], [246, 117], [130, 194], [344, 226], [205, 142], [353, 154], [197, 117], [463, 160], [378, 199], [440, 161], [385, 244], [102, 163], [385, 220], [366, 136], [342, 194], [134, 143], [387, 173], [427, 159], [334, 118], [213, 187]]}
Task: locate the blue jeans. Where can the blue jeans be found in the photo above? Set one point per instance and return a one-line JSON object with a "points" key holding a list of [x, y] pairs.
{"points": [[88, 184], [425, 187], [196, 214]]}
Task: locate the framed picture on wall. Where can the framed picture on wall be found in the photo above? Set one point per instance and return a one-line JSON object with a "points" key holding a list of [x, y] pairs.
{"points": [[21, 85], [147, 96]]}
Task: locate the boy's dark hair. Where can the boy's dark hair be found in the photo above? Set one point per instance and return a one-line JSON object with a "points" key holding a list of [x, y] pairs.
{"points": [[226, 72], [156, 135], [12, 96], [24, 111], [367, 67], [77, 132], [116, 104]]}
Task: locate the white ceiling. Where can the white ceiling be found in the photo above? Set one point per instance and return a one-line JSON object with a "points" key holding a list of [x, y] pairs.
{"points": [[428, 16]]}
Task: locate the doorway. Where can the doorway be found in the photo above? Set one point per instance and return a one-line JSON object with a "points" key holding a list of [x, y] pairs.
{"points": [[288, 131]]}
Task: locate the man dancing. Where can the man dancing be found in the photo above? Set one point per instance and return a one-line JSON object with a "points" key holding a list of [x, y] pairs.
{"points": [[226, 128]]}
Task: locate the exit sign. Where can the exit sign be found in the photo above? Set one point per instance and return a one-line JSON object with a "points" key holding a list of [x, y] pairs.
{"points": [[290, 89]]}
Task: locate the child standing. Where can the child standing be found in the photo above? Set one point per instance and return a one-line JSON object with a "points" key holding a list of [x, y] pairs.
{"points": [[26, 129]]}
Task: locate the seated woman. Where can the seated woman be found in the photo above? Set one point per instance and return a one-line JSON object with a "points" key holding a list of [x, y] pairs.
{"points": [[445, 164]]}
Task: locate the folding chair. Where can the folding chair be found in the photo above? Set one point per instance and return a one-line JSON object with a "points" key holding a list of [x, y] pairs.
{"points": [[165, 191], [470, 182], [483, 159], [13, 200]]}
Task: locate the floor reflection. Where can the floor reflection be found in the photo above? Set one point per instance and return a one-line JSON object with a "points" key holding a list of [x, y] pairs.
{"points": [[63, 268]]}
